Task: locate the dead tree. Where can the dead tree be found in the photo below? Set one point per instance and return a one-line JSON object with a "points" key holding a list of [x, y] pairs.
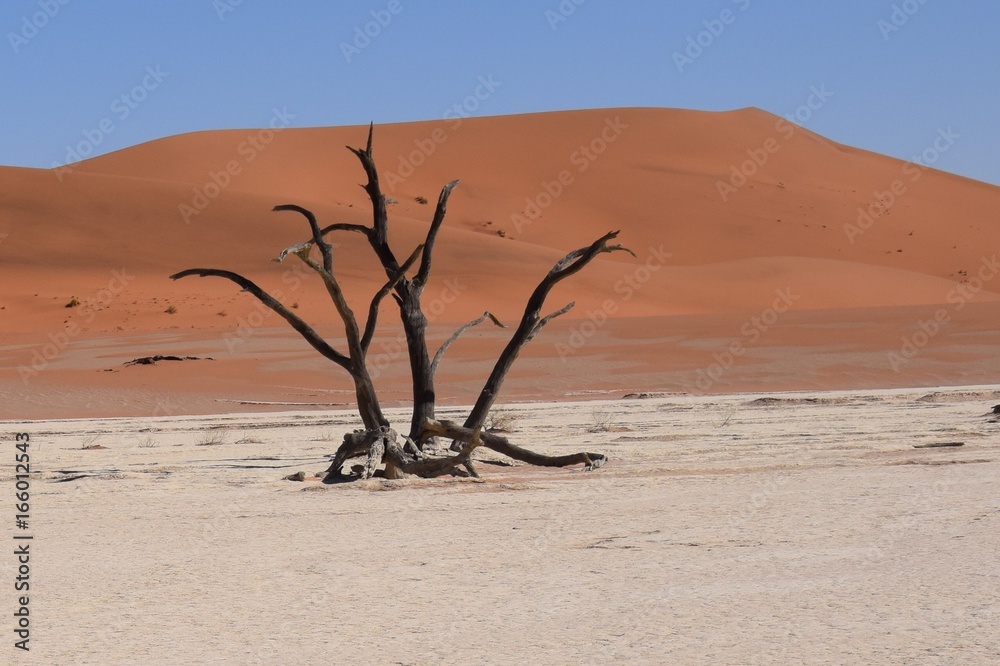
{"points": [[378, 442]]}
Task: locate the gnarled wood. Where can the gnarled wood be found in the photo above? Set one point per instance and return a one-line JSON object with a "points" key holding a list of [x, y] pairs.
{"points": [[326, 250], [378, 443], [355, 444], [500, 444], [382, 444]]}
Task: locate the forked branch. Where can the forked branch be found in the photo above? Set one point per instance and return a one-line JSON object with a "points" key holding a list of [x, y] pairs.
{"points": [[439, 213], [369, 333], [326, 250], [457, 334], [379, 234], [531, 323]]}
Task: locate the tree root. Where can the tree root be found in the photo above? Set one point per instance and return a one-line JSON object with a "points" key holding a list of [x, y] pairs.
{"points": [[382, 446], [451, 430]]}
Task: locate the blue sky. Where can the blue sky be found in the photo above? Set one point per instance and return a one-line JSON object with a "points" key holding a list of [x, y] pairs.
{"points": [[898, 70]]}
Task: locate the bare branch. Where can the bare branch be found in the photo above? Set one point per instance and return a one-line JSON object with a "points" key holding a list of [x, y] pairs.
{"points": [[439, 213], [475, 437], [294, 249], [306, 331], [325, 249], [340, 302], [369, 333], [379, 232], [546, 319], [457, 334], [573, 263], [306, 246], [346, 226], [585, 251], [368, 404], [530, 323]]}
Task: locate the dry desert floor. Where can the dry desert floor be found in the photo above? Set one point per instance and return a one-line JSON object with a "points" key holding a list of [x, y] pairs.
{"points": [[791, 528]]}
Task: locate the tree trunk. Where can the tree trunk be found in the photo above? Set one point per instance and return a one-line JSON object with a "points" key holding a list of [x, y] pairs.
{"points": [[368, 405], [421, 375]]}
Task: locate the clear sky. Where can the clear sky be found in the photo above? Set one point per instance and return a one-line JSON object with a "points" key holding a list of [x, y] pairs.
{"points": [[898, 70]]}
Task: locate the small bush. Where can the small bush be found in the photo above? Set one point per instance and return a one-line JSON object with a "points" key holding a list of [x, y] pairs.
{"points": [[422, 201], [171, 310], [603, 422], [73, 302], [501, 420], [214, 438]]}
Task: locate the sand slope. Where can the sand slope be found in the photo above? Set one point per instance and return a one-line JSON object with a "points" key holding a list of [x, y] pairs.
{"points": [[109, 230]]}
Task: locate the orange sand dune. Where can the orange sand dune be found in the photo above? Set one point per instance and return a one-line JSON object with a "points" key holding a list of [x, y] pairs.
{"points": [[731, 216]]}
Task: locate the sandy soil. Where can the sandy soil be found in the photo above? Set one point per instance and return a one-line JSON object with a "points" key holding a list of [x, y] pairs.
{"points": [[744, 529], [272, 369]]}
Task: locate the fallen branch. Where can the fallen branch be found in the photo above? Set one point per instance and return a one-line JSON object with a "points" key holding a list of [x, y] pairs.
{"points": [[494, 442]]}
